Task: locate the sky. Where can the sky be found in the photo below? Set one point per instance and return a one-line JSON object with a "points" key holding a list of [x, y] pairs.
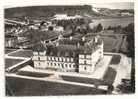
{"points": [[126, 5], [113, 4]]}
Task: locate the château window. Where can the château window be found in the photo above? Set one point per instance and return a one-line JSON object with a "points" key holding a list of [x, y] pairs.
{"points": [[60, 59], [85, 68], [49, 58], [71, 59], [51, 64], [53, 58], [85, 62], [56, 58], [64, 59], [70, 65], [81, 56], [67, 59], [65, 65], [38, 58]]}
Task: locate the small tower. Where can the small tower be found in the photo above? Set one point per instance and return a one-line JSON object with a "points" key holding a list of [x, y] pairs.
{"points": [[83, 38]]}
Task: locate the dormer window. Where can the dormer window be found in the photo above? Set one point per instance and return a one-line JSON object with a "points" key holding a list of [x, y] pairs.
{"points": [[35, 53], [66, 54]]}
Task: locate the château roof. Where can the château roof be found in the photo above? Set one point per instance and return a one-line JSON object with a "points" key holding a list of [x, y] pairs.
{"points": [[70, 47]]}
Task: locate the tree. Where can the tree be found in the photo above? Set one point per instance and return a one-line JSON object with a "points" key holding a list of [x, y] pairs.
{"points": [[99, 27], [109, 28], [130, 38]]}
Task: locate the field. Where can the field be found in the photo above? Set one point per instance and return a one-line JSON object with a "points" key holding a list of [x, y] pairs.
{"points": [[112, 42], [85, 80], [109, 43], [23, 87], [110, 75], [31, 74], [22, 53], [10, 62], [112, 22], [115, 59], [69, 78], [9, 50]]}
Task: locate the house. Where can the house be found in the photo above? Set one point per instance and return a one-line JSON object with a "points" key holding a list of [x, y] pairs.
{"points": [[69, 54], [10, 40]]}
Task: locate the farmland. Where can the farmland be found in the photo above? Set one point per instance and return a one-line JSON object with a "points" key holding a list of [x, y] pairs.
{"points": [[112, 42], [9, 50], [115, 59], [22, 53], [39, 88], [10, 62]]}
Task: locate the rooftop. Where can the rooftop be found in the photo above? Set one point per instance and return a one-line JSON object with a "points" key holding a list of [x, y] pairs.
{"points": [[69, 46], [65, 17]]}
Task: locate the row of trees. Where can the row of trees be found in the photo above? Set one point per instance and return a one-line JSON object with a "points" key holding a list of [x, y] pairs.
{"points": [[129, 31], [97, 28]]}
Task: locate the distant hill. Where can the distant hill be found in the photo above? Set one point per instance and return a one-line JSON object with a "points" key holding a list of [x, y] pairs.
{"points": [[48, 11]]}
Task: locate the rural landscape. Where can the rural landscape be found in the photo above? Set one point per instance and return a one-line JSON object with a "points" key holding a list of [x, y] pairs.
{"points": [[34, 30]]}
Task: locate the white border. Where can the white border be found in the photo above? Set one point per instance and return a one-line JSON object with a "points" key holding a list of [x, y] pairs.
{"points": [[12, 3]]}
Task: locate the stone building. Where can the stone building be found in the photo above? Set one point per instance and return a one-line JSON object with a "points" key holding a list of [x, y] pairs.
{"points": [[69, 54]]}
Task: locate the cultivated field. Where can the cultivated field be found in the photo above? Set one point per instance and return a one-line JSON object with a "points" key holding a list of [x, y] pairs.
{"points": [[22, 53], [9, 50], [115, 60], [25, 87], [112, 42], [10, 62]]}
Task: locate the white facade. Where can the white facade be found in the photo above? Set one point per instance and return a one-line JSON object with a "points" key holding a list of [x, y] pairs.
{"points": [[83, 63], [88, 62], [61, 63]]}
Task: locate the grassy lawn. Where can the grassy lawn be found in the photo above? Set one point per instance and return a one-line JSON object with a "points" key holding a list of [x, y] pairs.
{"points": [[9, 50], [112, 42], [110, 75], [84, 80], [109, 43], [24, 53], [24, 73], [26, 87], [115, 60], [11, 62]]}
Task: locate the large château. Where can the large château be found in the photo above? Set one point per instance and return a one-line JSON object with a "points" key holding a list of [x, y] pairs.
{"points": [[69, 54]]}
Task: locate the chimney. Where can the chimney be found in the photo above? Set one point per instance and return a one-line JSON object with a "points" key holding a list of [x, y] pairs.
{"points": [[78, 45], [43, 42], [57, 44], [60, 36], [71, 38], [50, 41], [83, 38], [95, 39]]}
